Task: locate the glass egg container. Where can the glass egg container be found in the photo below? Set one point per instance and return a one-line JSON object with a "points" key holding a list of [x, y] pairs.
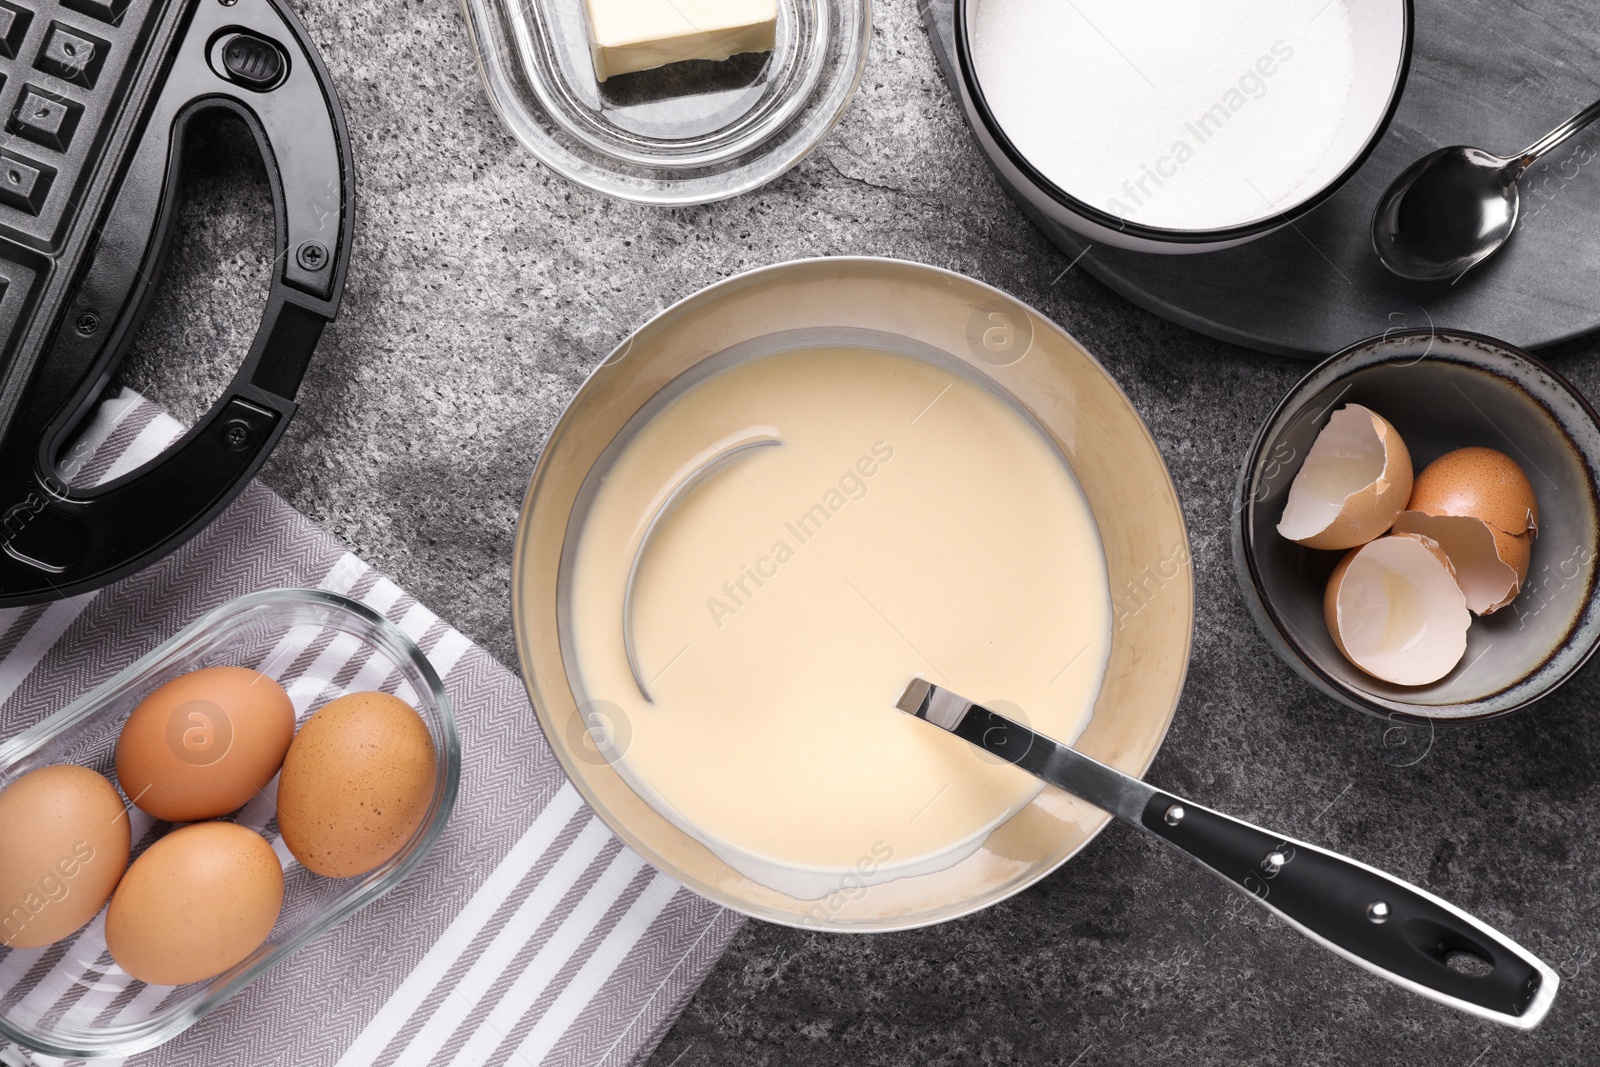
{"points": [[70, 999]]}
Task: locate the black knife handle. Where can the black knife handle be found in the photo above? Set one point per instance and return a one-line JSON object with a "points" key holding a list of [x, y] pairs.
{"points": [[1388, 926]]}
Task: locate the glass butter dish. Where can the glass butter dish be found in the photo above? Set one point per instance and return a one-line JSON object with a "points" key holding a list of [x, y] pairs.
{"points": [[70, 999], [687, 133]]}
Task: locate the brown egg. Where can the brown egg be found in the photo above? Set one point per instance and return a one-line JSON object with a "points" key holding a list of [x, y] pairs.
{"points": [[64, 840], [205, 743], [1480, 483], [356, 784], [194, 904]]}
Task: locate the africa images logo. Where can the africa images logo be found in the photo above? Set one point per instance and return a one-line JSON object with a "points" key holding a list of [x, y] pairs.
{"points": [[199, 732], [851, 486]]}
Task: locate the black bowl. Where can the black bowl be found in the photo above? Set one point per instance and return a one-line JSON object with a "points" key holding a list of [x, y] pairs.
{"points": [[1442, 390]]}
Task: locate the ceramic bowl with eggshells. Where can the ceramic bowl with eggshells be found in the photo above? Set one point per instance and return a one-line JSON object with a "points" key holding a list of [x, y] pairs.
{"points": [[231, 764], [1417, 527]]}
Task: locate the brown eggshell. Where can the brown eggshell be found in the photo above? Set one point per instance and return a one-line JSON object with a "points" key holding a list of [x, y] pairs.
{"points": [[1330, 595], [1490, 564], [64, 839], [1330, 600], [195, 903], [205, 743], [1362, 614], [1480, 483], [1515, 551], [1334, 504], [356, 784]]}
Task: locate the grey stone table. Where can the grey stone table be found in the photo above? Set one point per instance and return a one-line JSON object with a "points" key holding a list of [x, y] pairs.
{"points": [[482, 289]]}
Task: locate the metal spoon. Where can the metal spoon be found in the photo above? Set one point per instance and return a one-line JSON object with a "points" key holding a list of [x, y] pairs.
{"points": [[1454, 208], [1392, 928]]}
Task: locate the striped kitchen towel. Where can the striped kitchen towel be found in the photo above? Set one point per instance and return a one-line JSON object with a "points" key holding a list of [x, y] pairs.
{"points": [[529, 936]]}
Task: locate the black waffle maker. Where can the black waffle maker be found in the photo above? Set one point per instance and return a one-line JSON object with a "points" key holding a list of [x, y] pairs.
{"points": [[96, 97]]}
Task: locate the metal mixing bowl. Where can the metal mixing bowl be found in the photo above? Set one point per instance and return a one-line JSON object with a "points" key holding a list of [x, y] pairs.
{"points": [[974, 331]]}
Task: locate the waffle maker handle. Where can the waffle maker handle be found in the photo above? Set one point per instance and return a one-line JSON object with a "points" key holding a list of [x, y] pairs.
{"points": [[251, 58]]}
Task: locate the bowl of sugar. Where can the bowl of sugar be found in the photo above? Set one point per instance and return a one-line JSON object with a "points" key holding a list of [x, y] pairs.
{"points": [[1172, 126]]}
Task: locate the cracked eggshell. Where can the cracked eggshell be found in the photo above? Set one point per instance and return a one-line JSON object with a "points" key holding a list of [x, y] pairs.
{"points": [[1479, 483], [1490, 564], [1396, 612], [1355, 480]]}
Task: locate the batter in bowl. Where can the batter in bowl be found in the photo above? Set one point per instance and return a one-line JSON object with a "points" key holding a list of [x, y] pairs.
{"points": [[910, 522]]}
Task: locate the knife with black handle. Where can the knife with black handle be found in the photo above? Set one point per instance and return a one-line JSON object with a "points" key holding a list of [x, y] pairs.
{"points": [[1392, 928]]}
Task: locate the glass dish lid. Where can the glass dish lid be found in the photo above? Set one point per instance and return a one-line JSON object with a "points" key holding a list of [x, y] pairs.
{"points": [[687, 133]]}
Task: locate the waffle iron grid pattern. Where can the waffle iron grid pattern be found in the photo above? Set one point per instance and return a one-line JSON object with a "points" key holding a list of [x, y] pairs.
{"points": [[64, 68], [65, 72]]}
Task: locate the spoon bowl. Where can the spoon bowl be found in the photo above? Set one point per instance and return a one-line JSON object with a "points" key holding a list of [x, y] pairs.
{"points": [[1449, 211]]}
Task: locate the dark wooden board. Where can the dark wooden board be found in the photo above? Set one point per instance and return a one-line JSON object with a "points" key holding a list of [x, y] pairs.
{"points": [[1493, 74]]}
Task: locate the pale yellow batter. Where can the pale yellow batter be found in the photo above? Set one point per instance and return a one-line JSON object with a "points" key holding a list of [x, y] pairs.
{"points": [[910, 522]]}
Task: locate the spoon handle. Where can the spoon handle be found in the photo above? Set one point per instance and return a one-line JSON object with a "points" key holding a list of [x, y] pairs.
{"points": [[1556, 136], [1391, 928], [1388, 926]]}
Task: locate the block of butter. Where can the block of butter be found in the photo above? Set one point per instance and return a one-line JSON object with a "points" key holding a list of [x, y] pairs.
{"points": [[630, 35]]}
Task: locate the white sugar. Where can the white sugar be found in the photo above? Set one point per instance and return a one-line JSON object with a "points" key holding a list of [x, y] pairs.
{"points": [[1187, 114]]}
